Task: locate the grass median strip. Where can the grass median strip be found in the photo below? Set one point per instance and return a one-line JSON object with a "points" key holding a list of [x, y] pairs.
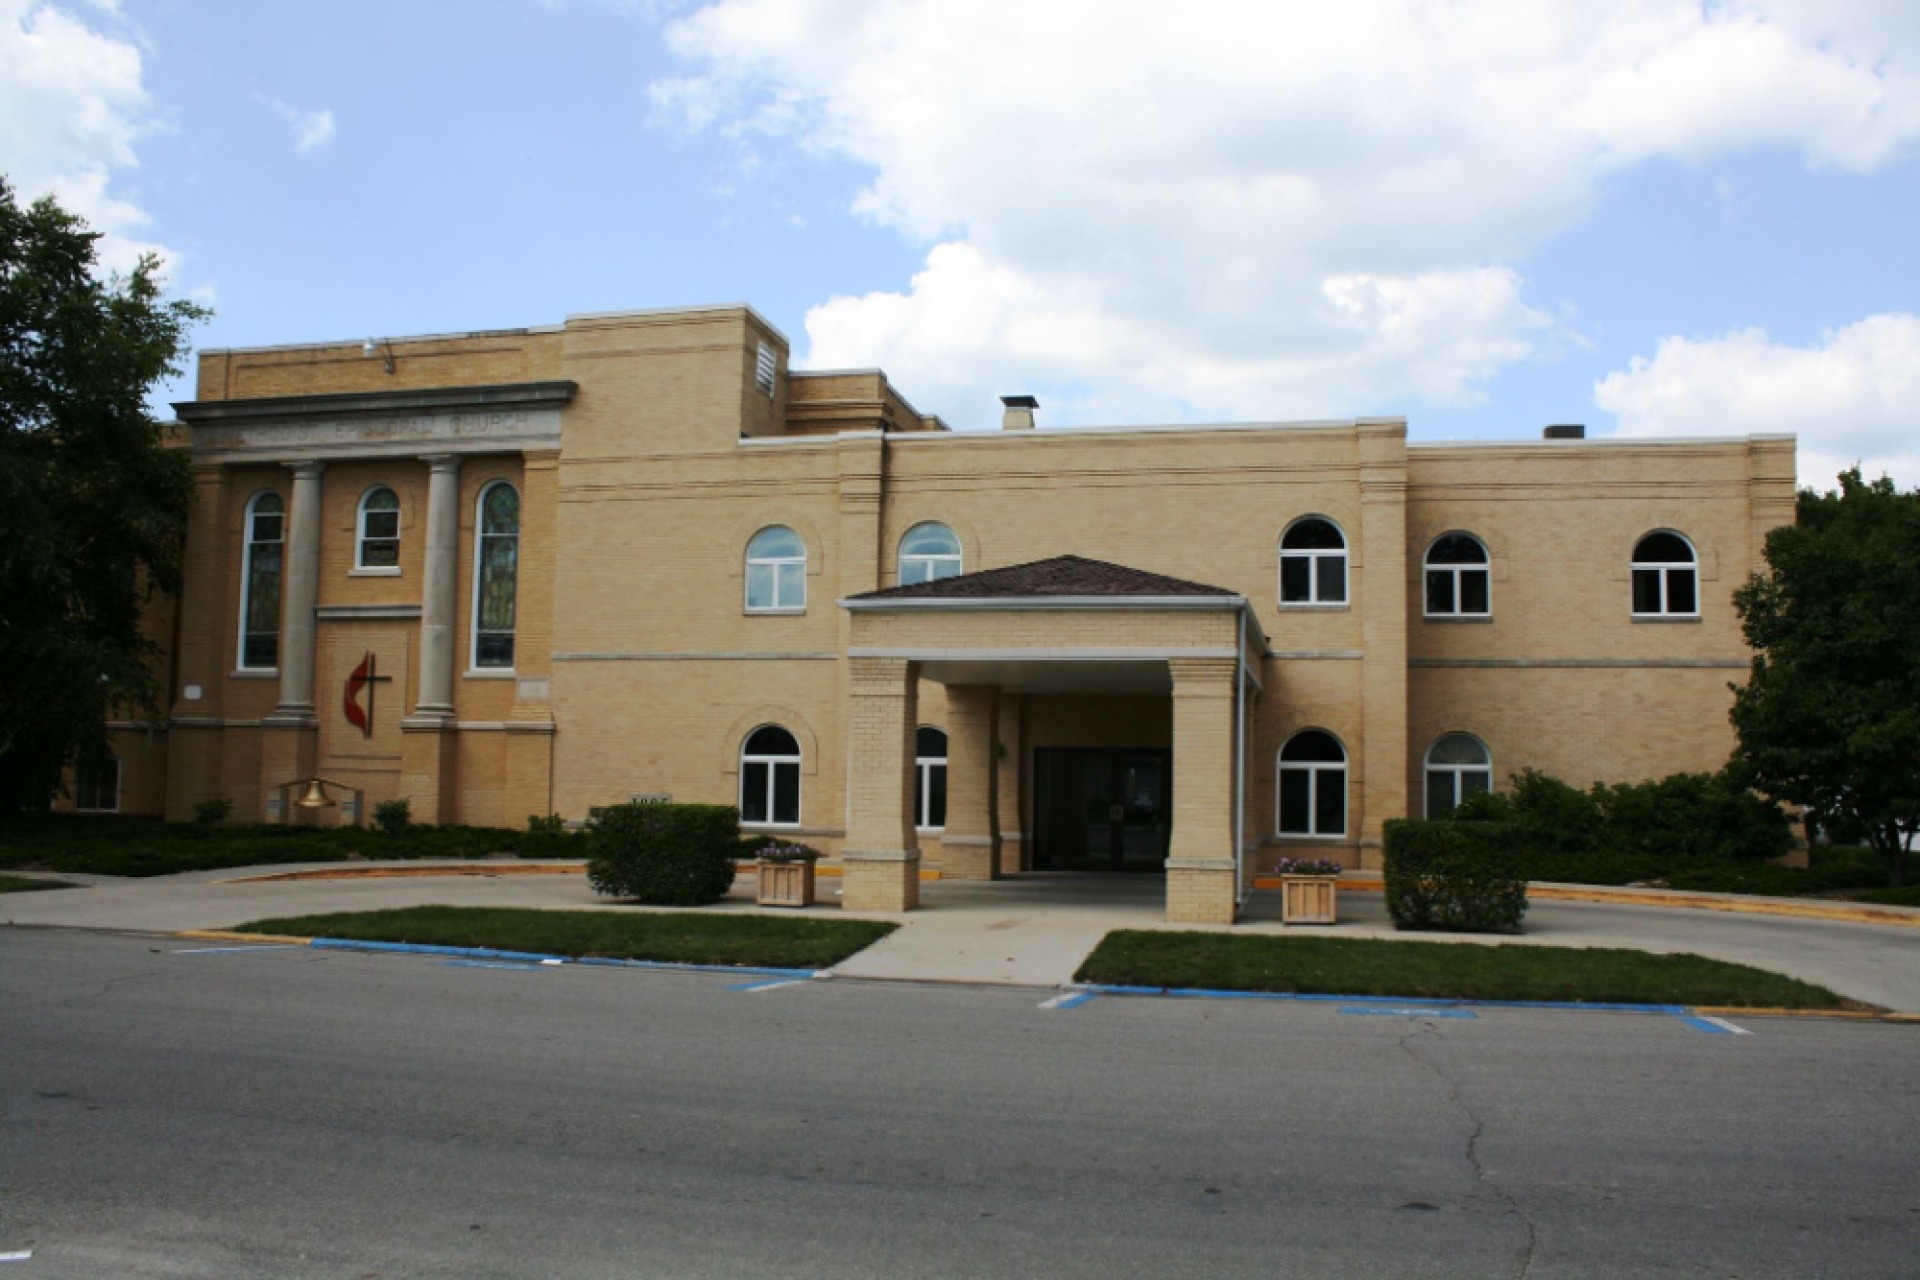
{"points": [[666, 937], [1439, 970], [26, 884]]}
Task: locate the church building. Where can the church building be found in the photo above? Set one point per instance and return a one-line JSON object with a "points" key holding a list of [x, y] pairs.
{"points": [[635, 556]]}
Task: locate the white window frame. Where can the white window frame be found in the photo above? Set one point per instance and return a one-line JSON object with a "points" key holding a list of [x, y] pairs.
{"points": [[1314, 769], [1665, 569], [1456, 572], [924, 767], [1313, 556], [361, 537], [247, 545], [114, 805], [479, 563], [1456, 773], [762, 765], [938, 565], [774, 564]]}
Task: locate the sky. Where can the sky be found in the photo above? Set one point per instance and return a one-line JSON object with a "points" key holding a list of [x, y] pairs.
{"points": [[1654, 217]]}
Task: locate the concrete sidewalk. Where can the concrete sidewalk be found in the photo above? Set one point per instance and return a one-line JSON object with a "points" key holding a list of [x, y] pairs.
{"points": [[1032, 930]]}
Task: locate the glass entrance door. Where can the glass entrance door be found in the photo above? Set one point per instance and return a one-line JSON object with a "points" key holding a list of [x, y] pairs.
{"points": [[1101, 808]]}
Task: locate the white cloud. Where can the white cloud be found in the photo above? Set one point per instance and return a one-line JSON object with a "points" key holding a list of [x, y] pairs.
{"points": [[1855, 397], [311, 130], [1224, 208], [72, 105]]}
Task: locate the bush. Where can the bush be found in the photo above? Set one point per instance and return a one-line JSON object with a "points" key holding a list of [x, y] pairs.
{"points": [[552, 824], [1464, 876], [393, 816], [1694, 817], [664, 854], [211, 813]]}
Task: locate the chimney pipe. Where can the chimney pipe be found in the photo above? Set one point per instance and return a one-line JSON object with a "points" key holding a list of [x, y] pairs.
{"points": [[1565, 431], [1019, 413]]}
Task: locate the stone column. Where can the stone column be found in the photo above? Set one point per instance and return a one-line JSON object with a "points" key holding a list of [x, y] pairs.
{"points": [[300, 595], [439, 591], [970, 845], [1379, 590], [881, 862], [1200, 866]]}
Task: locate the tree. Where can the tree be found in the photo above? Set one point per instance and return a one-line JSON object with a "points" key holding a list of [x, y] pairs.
{"points": [[1830, 717], [92, 506]]}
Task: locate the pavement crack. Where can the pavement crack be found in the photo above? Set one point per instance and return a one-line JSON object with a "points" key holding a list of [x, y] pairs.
{"points": [[1407, 1046]]}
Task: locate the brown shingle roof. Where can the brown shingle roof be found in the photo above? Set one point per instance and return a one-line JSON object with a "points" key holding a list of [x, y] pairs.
{"points": [[1060, 576]]}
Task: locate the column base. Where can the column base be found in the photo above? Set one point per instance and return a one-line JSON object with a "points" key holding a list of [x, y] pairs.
{"points": [[969, 858], [1201, 891], [885, 881]]}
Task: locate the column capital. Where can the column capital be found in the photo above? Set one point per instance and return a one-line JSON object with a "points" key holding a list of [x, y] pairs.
{"points": [[306, 468], [442, 462]]}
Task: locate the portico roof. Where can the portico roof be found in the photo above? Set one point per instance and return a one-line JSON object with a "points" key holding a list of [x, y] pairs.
{"points": [[1060, 578]]}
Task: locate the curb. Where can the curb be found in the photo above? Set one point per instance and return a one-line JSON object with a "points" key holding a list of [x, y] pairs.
{"points": [[1454, 1002], [389, 871], [491, 953]]}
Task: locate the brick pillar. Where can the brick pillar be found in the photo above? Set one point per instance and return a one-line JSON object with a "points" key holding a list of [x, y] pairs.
{"points": [[881, 861], [1200, 867], [530, 726], [1010, 801], [289, 735], [970, 846], [1380, 591], [205, 626]]}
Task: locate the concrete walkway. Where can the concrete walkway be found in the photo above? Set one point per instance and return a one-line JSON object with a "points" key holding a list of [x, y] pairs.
{"points": [[1033, 930]]}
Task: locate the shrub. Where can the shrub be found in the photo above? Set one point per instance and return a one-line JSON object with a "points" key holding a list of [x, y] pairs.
{"points": [[1464, 876], [393, 816], [211, 813], [665, 854], [1694, 817], [552, 824]]}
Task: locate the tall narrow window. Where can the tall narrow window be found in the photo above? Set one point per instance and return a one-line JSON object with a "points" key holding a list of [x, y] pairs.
{"points": [[379, 540], [930, 779], [776, 571], [765, 366], [1458, 766], [929, 553], [496, 564], [1313, 563], [260, 583], [1459, 583], [770, 778], [1666, 577], [96, 787], [1313, 785]]}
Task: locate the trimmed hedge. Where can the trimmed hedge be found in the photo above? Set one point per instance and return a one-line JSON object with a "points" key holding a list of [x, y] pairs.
{"points": [[1466, 877], [678, 855]]}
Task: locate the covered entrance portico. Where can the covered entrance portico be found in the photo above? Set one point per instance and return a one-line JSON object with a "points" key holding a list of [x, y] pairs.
{"points": [[1065, 626]]}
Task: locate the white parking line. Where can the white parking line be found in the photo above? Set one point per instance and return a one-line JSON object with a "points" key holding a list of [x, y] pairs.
{"points": [[20, 1255], [1722, 1023], [208, 951]]}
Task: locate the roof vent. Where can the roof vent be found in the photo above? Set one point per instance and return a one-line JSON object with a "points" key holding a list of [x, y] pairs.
{"points": [[1019, 414], [1565, 431]]}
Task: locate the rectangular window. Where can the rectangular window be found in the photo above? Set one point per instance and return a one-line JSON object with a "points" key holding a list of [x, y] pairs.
{"points": [[759, 586], [786, 792], [1296, 802], [1330, 803], [1646, 591], [1333, 579], [765, 365], [1440, 799], [97, 790], [1473, 591], [1296, 579], [1439, 591], [930, 797], [1680, 594]]}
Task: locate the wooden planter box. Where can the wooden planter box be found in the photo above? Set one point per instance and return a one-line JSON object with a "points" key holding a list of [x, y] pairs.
{"points": [[1309, 899], [785, 884]]}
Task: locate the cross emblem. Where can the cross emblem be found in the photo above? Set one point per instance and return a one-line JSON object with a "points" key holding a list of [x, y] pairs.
{"points": [[365, 676]]}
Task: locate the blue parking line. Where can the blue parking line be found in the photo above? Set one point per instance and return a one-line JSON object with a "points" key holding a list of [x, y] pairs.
{"points": [[1070, 1001]]}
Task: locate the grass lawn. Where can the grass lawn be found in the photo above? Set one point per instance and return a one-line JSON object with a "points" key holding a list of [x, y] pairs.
{"points": [[1465, 971], [673, 937], [21, 884]]}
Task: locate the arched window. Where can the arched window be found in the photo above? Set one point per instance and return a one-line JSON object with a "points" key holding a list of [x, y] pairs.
{"points": [[260, 583], [1313, 563], [378, 543], [496, 565], [770, 778], [1458, 766], [930, 779], [1666, 577], [776, 571], [1459, 583], [929, 553], [1313, 785]]}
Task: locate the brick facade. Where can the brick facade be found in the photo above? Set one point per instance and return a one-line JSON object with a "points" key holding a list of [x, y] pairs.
{"points": [[646, 454]]}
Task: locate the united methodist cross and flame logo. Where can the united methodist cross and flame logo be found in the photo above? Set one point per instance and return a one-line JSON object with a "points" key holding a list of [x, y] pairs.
{"points": [[364, 677]]}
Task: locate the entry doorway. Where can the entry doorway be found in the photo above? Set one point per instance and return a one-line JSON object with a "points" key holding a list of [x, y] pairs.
{"points": [[1102, 808]]}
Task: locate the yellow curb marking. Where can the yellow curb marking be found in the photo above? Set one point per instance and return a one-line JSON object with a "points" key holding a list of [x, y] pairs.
{"points": [[234, 935]]}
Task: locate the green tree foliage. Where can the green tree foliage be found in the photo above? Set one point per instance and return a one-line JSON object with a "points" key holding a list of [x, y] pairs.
{"points": [[1830, 717], [92, 508]]}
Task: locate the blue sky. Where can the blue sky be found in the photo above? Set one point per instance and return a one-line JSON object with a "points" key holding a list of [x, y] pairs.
{"points": [[1656, 217]]}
